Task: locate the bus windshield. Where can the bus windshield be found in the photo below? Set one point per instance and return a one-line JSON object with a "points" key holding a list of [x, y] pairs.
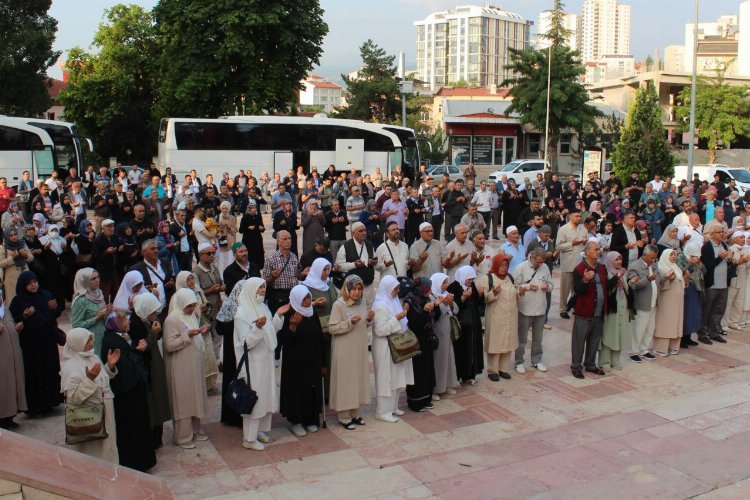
{"points": [[66, 154]]}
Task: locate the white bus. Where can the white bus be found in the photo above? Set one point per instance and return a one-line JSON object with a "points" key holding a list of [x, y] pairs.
{"points": [[40, 146], [278, 144]]}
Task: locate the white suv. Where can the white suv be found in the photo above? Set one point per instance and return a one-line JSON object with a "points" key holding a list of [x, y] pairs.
{"points": [[518, 170]]}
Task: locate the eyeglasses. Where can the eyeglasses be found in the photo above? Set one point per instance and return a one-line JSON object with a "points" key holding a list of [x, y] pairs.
{"points": [[208, 253]]}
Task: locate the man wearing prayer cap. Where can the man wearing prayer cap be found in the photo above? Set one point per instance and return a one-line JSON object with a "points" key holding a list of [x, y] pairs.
{"points": [[240, 269], [357, 256], [208, 278], [513, 247], [459, 251], [427, 255]]}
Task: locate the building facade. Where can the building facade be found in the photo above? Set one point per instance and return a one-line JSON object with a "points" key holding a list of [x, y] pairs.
{"points": [[316, 91], [570, 22], [603, 29], [468, 43]]}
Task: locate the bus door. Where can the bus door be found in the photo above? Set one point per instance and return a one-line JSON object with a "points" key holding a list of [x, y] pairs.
{"points": [[301, 158], [350, 153]]}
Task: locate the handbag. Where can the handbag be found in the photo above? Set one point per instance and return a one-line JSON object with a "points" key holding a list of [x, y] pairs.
{"points": [[455, 328], [83, 259], [240, 396], [403, 346], [434, 340], [324, 321], [84, 423]]}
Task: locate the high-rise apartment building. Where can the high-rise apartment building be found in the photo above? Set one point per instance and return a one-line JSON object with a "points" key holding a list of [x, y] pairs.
{"points": [[543, 24], [603, 29], [468, 43]]}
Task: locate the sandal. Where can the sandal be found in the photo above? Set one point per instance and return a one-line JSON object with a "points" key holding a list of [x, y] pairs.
{"points": [[348, 425], [359, 421]]}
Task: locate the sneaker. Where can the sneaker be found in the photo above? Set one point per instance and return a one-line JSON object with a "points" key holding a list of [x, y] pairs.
{"points": [[703, 339], [494, 377], [540, 367], [387, 418], [547, 326], [719, 339], [398, 412], [298, 430], [674, 352], [649, 356], [264, 438], [435, 397], [428, 406], [636, 359], [520, 369], [187, 446], [311, 428], [254, 445], [199, 436], [450, 391]]}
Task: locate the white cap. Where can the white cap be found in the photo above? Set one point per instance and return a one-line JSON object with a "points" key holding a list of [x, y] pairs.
{"points": [[357, 225], [204, 246], [511, 229], [424, 225], [108, 222]]}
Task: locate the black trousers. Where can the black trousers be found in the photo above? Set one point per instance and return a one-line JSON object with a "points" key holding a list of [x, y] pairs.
{"points": [[712, 310]]}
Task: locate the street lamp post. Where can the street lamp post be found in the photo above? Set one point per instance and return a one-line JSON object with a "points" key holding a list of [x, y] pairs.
{"points": [[546, 126], [691, 140]]}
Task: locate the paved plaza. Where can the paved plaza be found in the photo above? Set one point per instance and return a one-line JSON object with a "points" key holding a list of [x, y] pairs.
{"points": [[677, 427]]}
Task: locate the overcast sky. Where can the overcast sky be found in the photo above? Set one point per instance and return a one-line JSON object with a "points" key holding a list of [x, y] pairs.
{"points": [[655, 24]]}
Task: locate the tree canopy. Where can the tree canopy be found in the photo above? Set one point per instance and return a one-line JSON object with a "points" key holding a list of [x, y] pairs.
{"points": [[569, 108], [643, 146], [26, 36], [721, 112], [373, 95], [111, 93], [218, 57]]}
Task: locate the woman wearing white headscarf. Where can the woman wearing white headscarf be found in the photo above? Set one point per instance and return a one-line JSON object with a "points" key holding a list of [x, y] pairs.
{"points": [[90, 309], [446, 379], [184, 346], [132, 285], [350, 368], [738, 283], [302, 368], [186, 279], [85, 381], [255, 331], [390, 378], [468, 348], [228, 233], [52, 279], [669, 305]]}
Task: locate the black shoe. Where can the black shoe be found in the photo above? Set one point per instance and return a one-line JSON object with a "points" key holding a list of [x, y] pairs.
{"points": [[723, 332], [649, 356], [691, 342], [596, 370], [577, 373], [494, 377], [636, 359], [505, 375], [429, 406], [719, 339], [565, 315], [684, 344], [8, 423], [703, 339]]}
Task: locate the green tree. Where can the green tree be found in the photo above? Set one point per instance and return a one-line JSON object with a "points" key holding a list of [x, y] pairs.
{"points": [[26, 36], [220, 57], [374, 95], [643, 146], [437, 151], [110, 93], [569, 108], [721, 112]]}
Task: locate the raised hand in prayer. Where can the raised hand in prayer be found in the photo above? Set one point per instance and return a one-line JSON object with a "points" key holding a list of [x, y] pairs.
{"points": [[94, 371], [319, 302], [294, 321], [356, 319], [260, 322], [283, 309], [112, 358], [142, 346], [370, 315]]}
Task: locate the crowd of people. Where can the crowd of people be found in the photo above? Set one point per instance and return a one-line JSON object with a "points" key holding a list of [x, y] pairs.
{"points": [[169, 285]]}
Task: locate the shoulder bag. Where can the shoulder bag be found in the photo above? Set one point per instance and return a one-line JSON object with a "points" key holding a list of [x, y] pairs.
{"points": [[403, 346], [84, 423], [240, 396]]}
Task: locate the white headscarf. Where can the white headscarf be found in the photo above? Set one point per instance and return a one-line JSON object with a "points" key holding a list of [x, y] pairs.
{"points": [[145, 305], [313, 279], [180, 282], [437, 280], [464, 273], [131, 279], [57, 244], [182, 299], [251, 307], [296, 296], [665, 265], [82, 288], [384, 299], [75, 360]]}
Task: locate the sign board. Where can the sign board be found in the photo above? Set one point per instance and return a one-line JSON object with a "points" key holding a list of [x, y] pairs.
{"points": [[592, 162], [460, 149], [481, 151]]}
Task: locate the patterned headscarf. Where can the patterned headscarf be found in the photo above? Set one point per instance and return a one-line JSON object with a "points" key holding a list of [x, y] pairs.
{"points": [[350, 282]]}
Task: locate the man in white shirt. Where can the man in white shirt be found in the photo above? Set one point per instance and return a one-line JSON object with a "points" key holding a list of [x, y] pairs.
{"points": [[483, 200], [657, 183], [134, 176], [459, 251], [534, 278], [692, 231], [393, 255]]}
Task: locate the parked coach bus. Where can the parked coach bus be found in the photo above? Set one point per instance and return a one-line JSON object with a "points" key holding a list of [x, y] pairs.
{"points": [[278, 144], [40, 146]]}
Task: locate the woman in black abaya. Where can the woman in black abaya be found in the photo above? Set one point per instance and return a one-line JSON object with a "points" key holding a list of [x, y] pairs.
{"points": [[421, 318], [468, 348]]}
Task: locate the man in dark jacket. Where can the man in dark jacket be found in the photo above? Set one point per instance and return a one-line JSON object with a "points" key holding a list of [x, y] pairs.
{"points": [[716, 257]]}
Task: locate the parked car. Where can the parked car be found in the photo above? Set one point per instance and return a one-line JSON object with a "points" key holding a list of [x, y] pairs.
{"points": [[437, 172], [726, 173], [518, 170]]}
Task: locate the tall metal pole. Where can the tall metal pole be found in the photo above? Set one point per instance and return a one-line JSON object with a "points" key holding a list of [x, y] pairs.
{"points": [[402, 75], [691, 140], [546, 127]]}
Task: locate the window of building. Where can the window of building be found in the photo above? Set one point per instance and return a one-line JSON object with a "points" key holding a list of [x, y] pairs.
{"points": [[565, 144], [535, 144]]}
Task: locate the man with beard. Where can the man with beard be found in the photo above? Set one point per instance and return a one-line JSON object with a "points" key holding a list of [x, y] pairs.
{"points": [[240, 269]]}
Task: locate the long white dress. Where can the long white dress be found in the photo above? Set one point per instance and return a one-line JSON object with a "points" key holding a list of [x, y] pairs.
{"points": [[261, 360], [389, 376]]}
